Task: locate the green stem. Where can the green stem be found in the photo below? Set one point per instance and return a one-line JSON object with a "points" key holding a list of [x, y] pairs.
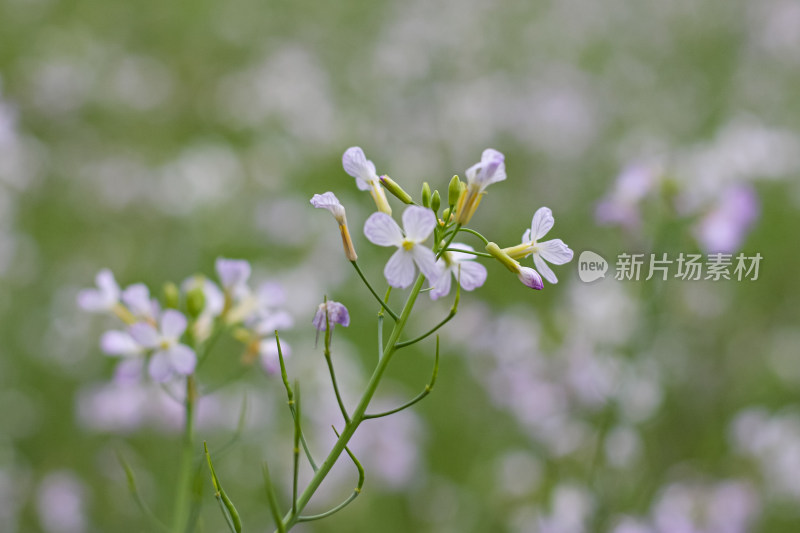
{"points": [[479, 254], [184, 488], [375, 294], [449, 241], [481, 237], [358, 415], [330, 365]]}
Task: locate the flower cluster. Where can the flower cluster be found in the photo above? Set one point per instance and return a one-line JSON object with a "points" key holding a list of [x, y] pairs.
{"points": [[444, 259], [166, 335]]}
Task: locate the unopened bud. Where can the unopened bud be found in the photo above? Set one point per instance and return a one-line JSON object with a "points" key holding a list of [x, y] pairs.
{"points": [[172, 296], [394, 188], [436, 201], [426, 194], [446, 215], [453, 191], [195, 302]]}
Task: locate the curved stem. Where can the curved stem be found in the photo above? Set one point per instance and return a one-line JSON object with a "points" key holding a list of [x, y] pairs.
{"points": [[375, 294], [481, 237], [330, 366], [480, 254], [290, 396], [449, 241], [358, 415], [428, 389]]}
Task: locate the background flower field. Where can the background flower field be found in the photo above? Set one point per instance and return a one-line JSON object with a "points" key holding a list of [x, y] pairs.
{"points": [[152, 138]]}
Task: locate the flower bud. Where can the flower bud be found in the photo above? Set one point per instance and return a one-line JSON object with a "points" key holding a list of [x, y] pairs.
{"points": [[195, 302], [503, 257], [393, 187], [436, 201], [446, 215], [172, 296], [453, 191], [426, 194]]}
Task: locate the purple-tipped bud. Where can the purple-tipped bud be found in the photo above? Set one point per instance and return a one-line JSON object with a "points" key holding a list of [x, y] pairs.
{"points": [[530, 278], [336, 314]]}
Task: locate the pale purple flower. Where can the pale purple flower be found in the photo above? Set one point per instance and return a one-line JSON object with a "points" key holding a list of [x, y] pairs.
{"points": [[362, 169], [621, 205], [490, 169], [469, 273], [61, 503], [419, 223], [267, 322], [329, 201], [336, 314], [102, 299], [170, 356], [554, 251], [530, 278], [724, 228], [233, 274], [137, 299]]}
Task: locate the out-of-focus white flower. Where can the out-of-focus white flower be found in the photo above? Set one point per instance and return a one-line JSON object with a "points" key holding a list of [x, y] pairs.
{"points": [[233, 274], [724, 228], [331, 203], [464, 268], [490, 169], [61, 503], [419, 222], [554, 251], [333, 312], [120, 343], [268, 354], [170, 356], [362, 169], [102, 299], [621, 205]]}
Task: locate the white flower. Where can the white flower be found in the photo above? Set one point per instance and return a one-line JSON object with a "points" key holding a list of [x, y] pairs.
{"points": [[268, 354], [491, 169], [467, 272], [362, 169], [554, 251], [233, 274], [170, 356], [102, 299], [419, 222], [120, 343]]}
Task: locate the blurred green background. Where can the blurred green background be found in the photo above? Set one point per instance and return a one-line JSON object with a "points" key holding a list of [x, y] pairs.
{"points": [[152, 137]]}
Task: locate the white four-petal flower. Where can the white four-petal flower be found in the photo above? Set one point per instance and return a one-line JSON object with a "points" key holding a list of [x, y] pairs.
{"points": [[102, 299], [170, 356], [419, 223], [467, 272], [490, 169], [553, 251]]}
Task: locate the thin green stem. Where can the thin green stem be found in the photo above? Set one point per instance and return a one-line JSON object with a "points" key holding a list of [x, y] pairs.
{"points": [[296, 449], [375, 294], [427, 390], [290, 396], [449, 241], [480, 254], [291, 518], [184, 487], [431, 331], [272, 500], [329, 360], [481, 237]]}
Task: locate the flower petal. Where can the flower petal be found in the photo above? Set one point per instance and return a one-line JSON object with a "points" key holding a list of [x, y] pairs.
{"points": [[381, 229], [137, 298], [173, 324], [357, 165], [400, 269], [555, 251], [329, 201], [418, 223], [182, 359], [159, 368], [526, 237], [338, 314], [426, 261], [116, 342], [542, 223], [544, 269], [145, 334], [107, 284], [471, 274], [93, 301], [530, 278], [232, 272], [493, 167], [442, 286]]}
